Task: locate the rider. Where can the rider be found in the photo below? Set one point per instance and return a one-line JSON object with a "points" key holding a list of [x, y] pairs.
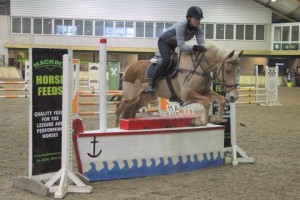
{"points": [[175, 36]]}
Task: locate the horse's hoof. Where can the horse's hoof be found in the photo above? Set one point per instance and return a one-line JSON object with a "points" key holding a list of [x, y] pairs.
{"points": [[215, 120], [198, 122], [193, 123]]}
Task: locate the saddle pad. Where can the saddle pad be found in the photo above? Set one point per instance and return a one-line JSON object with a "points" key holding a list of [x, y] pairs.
{"points": [[150, 70]]}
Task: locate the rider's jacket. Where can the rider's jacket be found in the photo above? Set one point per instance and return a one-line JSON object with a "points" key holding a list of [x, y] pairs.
{"points": [[181, 32]]}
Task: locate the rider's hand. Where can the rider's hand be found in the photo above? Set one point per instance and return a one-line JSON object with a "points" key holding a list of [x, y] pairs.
{"points": [[199, 48]]}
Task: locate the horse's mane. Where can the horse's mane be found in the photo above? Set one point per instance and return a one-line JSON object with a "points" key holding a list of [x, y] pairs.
{"points": [[216, 51]]}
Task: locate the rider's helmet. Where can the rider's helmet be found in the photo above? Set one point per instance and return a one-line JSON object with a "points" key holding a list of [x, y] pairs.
{"points": [[195, 12]]}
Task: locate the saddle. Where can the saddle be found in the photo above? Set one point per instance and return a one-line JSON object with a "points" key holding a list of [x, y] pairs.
{"points": [[170, 73], [156, 60]]}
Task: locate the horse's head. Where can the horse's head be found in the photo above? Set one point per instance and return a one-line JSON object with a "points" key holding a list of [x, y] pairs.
{"points": [[217, 59], [227, 74]]}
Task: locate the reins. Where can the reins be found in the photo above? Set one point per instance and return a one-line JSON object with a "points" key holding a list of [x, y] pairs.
{"points": [[196, 63]]}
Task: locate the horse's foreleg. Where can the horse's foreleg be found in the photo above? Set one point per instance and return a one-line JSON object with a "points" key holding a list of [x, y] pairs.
{"points": [[217, 119], [193, 97]]}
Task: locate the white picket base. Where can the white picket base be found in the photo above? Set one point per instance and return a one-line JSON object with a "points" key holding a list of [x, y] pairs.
{"points": [[237, 154], [65, 176]]}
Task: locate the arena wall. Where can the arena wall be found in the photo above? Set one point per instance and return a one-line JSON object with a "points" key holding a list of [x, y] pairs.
{"points": [[222, 11], [4, 35], [217, 11]]}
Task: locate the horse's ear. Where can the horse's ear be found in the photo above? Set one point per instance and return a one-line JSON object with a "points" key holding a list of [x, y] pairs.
{"points": [[240, 54], [231, 54]]}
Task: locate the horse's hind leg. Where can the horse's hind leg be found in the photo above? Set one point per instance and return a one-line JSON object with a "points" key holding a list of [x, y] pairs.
{"points": [[123, 111], [144, 100], [118, 112], [128, 108]]}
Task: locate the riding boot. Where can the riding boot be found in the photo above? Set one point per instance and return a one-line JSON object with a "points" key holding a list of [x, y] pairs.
{"points": [[155, 78]]}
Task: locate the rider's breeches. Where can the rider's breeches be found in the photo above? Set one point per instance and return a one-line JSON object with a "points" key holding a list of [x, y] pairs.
{"points": [[165, 50]]}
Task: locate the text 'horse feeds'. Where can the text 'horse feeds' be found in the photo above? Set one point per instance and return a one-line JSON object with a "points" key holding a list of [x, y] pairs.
{"points": [[192, 83]]}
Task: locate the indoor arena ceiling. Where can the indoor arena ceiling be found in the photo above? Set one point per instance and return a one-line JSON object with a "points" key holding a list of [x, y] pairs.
{"points": [[283, 10]]}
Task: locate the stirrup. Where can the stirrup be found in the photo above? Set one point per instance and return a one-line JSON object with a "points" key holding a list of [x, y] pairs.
{"points": [[150, 88]]}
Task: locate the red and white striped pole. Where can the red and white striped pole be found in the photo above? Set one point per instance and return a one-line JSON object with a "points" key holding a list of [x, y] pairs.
{"points": [[102, 86]]}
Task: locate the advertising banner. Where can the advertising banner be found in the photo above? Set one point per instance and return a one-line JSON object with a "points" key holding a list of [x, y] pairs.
{"points": [[46, 106]]}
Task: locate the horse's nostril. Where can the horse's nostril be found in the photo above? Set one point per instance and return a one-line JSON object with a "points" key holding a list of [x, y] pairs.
{"points": [[232, 99]]}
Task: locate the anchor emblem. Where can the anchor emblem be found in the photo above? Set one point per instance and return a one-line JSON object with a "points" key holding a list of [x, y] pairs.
{"points": [[94, 149]]}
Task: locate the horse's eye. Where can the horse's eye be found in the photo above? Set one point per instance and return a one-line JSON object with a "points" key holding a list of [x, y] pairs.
{"points": [[228, 71]]}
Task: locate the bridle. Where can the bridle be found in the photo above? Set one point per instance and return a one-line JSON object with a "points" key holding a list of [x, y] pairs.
{"points": [[207, 74], [227, 88]]}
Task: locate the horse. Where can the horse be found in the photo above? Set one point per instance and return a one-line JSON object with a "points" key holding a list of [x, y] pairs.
{"points": [[196, 72]]}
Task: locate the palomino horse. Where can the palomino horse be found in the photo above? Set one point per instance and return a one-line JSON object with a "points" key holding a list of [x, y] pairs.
{"points": [[192, 83]]}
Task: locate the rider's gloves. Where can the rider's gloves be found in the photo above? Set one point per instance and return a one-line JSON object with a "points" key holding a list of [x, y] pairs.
{"points": [[199, 48]]}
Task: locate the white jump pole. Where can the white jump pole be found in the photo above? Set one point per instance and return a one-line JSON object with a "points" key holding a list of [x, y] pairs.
{"points": [[238, 155], [30, 116], [102, 86], [233, 133], [256, 82], [65, 175]]}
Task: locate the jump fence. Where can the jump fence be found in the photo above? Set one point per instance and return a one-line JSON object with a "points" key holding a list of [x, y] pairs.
{"points": [[267, 96]]}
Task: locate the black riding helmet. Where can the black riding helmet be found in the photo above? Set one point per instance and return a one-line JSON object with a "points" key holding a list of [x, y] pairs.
{"points": [[195, 12]]}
